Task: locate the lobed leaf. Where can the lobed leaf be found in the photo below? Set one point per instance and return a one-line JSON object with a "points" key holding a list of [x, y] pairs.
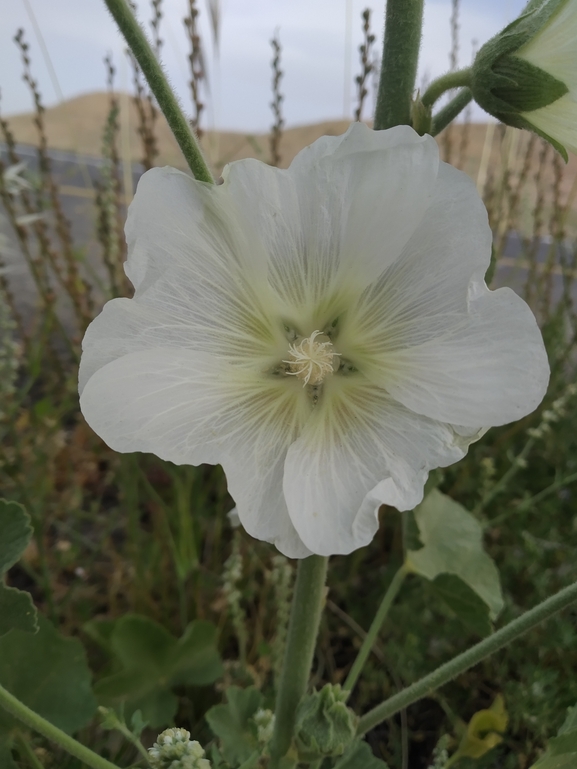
{"points": [[232, 723]]}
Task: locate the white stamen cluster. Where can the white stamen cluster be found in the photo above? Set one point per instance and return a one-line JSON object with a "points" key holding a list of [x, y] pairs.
{"points": [[264, 720], [175, 750], [311, 360]]}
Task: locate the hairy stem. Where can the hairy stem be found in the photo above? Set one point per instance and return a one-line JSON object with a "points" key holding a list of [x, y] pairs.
{"points": [[462, 77], [51, 732], [371, 637], [403, 26], [450, 111], [156, 79], [468, 659], [307, 604]]}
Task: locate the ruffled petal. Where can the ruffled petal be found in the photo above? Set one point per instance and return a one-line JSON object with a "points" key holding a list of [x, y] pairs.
{"points": [[433, 335], [191, 260], [189, 408], [338, 216], [359, 450]]}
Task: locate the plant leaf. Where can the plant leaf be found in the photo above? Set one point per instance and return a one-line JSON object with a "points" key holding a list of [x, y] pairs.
{"points": [[16, 532], [231, 723], [16, 611], [359, 756], [6, 760], [561, 752], [452, 540], [49, 673], [467, 605], [484, 731], [196, 660]]}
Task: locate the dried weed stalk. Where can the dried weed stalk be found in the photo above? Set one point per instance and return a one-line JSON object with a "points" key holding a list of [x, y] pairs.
{"points": [[196, 63], [276, 104], [367, 63]]}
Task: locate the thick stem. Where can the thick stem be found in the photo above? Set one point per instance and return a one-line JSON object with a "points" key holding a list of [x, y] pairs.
{"points": [[156, 79], [461, 77], [471, 657], [307, 604], [450, 111], [403, 26], [376, 625], [51, 732]]}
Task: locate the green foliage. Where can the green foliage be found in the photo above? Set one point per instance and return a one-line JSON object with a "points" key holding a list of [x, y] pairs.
{"points": [[153, 662], [359, 756], [325, 726], [6, 760], [562, 750], [49, 674], [234, 724], [16, 607], [452, 545]]}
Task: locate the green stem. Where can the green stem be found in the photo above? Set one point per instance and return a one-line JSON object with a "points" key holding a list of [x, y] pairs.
{"points": [[403, 26], [462, 77], [503, 482], [25, 751], [449, 113], [307, 604], [51, 732], [377, 623], [466, 660], [156, 79]]}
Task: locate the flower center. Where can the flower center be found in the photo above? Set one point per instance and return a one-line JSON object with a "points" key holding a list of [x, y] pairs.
{"points": [[312, 359]]}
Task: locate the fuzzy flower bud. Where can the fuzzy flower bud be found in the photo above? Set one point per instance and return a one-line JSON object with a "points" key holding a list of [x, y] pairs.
{"points": [[325, 726], [526, 76], [175, 750], [264, 720]]}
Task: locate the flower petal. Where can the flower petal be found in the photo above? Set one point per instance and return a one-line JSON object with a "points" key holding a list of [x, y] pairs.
{"points": [[191, 259], [360, 449], [189, 408], [339, 215], [435, 337], [558, 120]]}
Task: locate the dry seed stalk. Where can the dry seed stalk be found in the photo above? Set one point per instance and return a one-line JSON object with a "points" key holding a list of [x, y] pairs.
{"points": [[276, 104], [196, 62], [367, 63], [447, 135]]}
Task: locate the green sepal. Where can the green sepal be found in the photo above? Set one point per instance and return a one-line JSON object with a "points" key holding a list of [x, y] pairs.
{"points": [[519, 121], [504, 84], [324, 726]]}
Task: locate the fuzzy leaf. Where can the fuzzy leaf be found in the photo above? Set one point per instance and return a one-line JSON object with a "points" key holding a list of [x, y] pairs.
{"points": [[15, 533], [16, 611], [153, 662], [562, 750], [453, 544], [49, 673], [467, 605], [359, 756], [231, 723]]}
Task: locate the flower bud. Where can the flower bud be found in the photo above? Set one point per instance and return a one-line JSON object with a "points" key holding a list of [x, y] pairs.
{"points": [[175, 750], [325, 726], [526, 76]]}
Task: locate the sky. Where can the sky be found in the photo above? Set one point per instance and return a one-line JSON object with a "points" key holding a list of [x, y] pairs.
{"points": [[319, 52]]}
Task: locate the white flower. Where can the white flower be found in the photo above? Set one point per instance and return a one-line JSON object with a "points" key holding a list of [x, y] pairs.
{"points": [[175, 750], [367, 255], [554, 50]]}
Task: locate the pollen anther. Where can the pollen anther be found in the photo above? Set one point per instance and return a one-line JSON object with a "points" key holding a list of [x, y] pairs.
{"points": [[311, 360]]}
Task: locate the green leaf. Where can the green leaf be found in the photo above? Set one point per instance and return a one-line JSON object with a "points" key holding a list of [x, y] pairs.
{"points": [[453, 544], [153, 662], [15, 533], [196, 661], [16, 607], [232, 724], [16, 611], [48, 673], [359, 756], [562, 750], [462, 599]]}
